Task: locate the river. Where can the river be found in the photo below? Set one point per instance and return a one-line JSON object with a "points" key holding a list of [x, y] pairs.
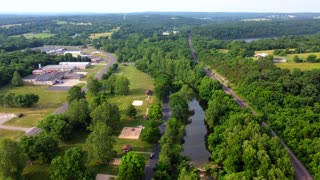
{"points": [[195, 139]]}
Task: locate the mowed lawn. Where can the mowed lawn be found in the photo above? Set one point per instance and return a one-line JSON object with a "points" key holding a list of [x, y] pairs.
{"points": [[36, 35], [139, 83], [48, 102], [304, 55], [98, 35], [302, 66], [8, 134]]}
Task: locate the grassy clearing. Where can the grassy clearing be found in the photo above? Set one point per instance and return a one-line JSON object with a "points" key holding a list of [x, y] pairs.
{"points": [[136, 145], [304, 55], [269, 52], [302, 66], [7, 134], [48, 102], [98, 35], [223, 50], [36, 35], [36, 172], [10, 25], [61, 22], [139, 82]]}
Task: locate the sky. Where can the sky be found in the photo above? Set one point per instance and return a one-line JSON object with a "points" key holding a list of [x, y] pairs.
{"points": [[125, 6]]}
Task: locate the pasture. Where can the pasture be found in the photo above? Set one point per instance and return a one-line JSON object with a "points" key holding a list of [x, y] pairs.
{"points": [[302, 66]]}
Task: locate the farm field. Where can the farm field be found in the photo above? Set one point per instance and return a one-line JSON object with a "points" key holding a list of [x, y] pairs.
{"points": [[304, 55], [302, 66], [61, 22]]}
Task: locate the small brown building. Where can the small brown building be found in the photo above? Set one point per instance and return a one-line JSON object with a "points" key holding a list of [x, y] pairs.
{"points": [[148, 92], [126, 148]]}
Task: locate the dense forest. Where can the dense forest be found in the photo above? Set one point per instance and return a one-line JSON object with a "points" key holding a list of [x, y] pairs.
{"points": [[289, 101]]}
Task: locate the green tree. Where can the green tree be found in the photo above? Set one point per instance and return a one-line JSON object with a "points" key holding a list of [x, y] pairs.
{"points": [[12, 160], [162, 87], [312, 58], [151, 132], [207, 86], [77, 114], [26, 100], [187, 175], [94, 86], [75, 93], [16, 79], [41, 147], [70, 166], [297, 59], [131, 167], [122, 86], [155, 112], [56, 126], [99, 144], [131, 111], [107, 113]]}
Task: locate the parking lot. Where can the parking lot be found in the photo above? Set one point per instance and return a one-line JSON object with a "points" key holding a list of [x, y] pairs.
{"points": [[65, 84]]}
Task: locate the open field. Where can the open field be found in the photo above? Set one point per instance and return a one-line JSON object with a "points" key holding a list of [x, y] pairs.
{"points": [[139, 82], [304, 55], [8, 134], [10, 25], [48, 102], [98, 35], [302, 66], [36, 172], [136, 145], [36, 35], [60, 22]]}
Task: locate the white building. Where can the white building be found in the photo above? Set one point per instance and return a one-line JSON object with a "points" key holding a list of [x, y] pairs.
{"points": [[78, 65], [58, 68], [261, 55]]}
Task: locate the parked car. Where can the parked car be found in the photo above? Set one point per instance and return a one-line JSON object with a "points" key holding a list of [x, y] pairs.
{"points": [[19, 115], [152, 155]]}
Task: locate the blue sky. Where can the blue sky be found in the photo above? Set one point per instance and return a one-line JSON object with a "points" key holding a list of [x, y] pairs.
{"points": [[111, 6]]}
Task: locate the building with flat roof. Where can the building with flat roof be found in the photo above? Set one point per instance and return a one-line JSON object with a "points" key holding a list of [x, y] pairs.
{"points": [[78, 65], [58, 68]]}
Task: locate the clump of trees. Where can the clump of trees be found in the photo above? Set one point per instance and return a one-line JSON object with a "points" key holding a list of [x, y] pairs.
{"points": [[131, 166], [18, 100], [12, 160]]}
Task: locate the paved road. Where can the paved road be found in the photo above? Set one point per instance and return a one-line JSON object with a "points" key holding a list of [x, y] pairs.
{"points": [[301, 171], [112, 60], [149, 169]]}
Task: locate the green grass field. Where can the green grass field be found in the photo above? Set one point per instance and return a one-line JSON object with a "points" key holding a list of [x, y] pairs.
{"points": [[60, 22], [10, 25], [48, 102], [7, 134], [36, 35], [302, 66], [139, 82], [304, 55], [98, 35]]}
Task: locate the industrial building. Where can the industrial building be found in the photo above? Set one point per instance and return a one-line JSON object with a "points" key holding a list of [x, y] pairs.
{"points": [[58, 68], [78, 65]]}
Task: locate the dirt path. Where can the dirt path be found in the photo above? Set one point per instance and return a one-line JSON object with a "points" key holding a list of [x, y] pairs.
{"points": [[301, 173], [4, 117]]}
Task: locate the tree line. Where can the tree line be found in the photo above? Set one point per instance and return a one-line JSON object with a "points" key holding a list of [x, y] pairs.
{"points": [[287, 99]]}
